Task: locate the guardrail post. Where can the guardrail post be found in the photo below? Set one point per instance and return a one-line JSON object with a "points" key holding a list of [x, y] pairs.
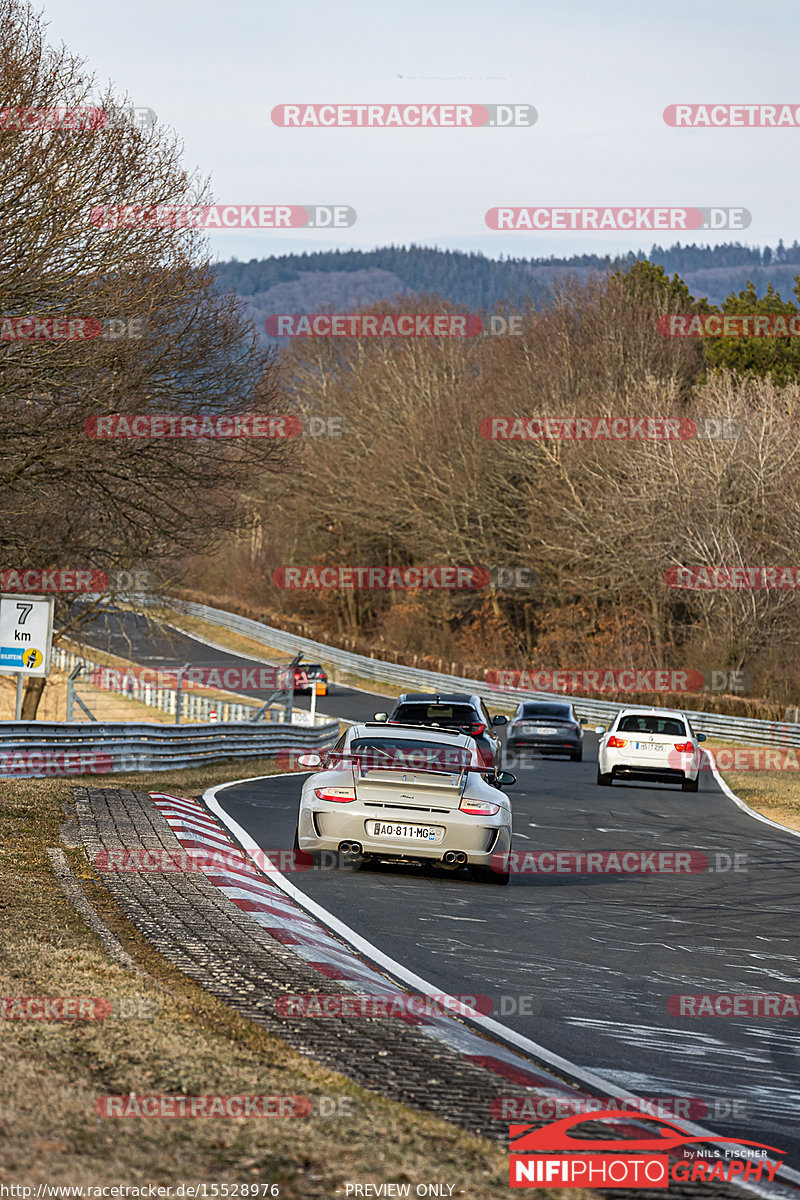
{"points": [[75, 672], [179, 693]]}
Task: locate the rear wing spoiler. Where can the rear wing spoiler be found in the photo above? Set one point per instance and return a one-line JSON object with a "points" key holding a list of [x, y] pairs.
{"points": [[374, 763]]}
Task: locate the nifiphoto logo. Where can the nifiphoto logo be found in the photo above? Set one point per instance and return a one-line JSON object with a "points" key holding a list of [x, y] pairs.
{"points": [[552, 1156]]}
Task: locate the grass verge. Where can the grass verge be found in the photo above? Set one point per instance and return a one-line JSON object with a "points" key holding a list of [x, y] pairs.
{"points": [[775, 793]]}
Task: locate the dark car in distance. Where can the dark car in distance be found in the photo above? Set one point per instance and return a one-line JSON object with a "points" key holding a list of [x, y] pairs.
{"points": [[451, 710], [549, 726]]}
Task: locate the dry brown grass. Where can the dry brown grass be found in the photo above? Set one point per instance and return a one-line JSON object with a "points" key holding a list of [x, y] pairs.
{"points": [[774, 794]]}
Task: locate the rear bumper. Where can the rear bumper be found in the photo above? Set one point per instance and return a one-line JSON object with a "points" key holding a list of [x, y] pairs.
{"points": [[611, 764], [480, 838], [559, 745]]}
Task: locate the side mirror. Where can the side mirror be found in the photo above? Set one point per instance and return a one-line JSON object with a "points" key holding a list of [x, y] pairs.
{"points": [[599, 728], [309, 760], [582, 721], [505, 778], [500, 720], [701, 737], [381, 717]]}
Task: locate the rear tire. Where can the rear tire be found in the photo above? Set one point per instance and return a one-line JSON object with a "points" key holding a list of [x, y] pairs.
{"points": [[690, 785], [487, 875], [577, 756], [603, 780]]}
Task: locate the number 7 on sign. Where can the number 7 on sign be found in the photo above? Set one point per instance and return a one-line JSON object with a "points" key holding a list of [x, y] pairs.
{"points": [[27, 609]]}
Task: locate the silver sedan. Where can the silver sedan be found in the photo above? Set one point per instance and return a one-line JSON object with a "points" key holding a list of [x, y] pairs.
{"points": [[403, 792]]}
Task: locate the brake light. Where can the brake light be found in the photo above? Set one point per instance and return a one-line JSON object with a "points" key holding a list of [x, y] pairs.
{"points": [[615, 743], [478, 808], [476, 728], [339, 795], [684, 747]]}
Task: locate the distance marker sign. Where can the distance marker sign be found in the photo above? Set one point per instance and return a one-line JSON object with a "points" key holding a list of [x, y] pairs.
{"points": [[26, 632]]}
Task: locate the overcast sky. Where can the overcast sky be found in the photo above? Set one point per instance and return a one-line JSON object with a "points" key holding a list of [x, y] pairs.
{"points": [[598, 74]]}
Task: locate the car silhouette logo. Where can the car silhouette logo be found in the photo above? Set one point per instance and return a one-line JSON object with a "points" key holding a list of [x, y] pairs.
{"points": [[527, 1138]]}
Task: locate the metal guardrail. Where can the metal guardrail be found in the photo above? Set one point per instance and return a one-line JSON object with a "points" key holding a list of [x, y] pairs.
{"points": [[734, 729], [41, 748]]}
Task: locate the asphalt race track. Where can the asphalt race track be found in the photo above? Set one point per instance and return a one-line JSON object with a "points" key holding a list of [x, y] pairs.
{"points": [[582, 964]]}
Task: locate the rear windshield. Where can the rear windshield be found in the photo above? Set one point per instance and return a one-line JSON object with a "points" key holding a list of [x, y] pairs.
{"points": [[427, 714], [409, 753], [561, 711], [668, 726]]}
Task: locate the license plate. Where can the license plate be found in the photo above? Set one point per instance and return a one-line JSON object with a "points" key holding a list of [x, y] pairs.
{"points": [[391, 830], [544, 729], [649, 745]]}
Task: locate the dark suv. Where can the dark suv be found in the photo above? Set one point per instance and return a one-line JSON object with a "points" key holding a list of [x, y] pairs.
{"points": [[451, 710]]}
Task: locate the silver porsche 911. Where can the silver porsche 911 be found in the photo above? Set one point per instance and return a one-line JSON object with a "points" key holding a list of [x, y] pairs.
{"points": [[404, 792]]}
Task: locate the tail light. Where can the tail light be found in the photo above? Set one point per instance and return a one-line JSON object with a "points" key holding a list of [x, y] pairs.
{"points": [[615, 743], [684, 747], [338, 795], [478, 808], [476, 728]]}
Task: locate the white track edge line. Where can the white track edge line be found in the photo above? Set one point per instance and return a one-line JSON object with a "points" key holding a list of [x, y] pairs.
{"points": [[392, 967]]}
